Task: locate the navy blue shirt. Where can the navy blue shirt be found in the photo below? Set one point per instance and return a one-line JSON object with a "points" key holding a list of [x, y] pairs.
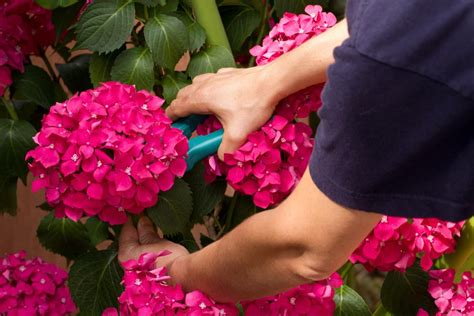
{"points": [[397, 123]]}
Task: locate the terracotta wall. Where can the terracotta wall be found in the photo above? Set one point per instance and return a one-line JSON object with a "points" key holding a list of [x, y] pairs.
{"points": [[19, 232]]}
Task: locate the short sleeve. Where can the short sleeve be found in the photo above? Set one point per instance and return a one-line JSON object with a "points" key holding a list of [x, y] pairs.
{"points": [[394, 141]]}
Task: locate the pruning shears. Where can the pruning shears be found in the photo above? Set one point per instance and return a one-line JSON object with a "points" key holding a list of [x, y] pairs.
{"points": [[200, 146]]}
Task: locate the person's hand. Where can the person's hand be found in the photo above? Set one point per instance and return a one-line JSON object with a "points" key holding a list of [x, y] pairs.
{"points": [[136, 241], [242, 99]]}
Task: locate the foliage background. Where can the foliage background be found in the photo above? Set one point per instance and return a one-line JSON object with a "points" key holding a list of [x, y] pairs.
{"points": [[141, 42]]}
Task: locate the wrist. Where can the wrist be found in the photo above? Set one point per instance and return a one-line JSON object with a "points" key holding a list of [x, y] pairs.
{"points": [[271, 81], [177, 270]]}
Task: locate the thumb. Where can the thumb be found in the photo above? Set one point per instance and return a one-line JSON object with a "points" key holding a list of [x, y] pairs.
{"points": [[230, 143], [147, 232]]}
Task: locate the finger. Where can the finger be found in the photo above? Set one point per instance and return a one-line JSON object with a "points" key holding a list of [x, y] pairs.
{"points": [[180, 108], [224, 70], [231, 141], [202, 77], [147, 232], [128, 240]]}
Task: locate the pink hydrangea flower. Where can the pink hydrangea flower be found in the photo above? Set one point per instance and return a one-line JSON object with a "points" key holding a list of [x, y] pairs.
{"points": [[316, 299], [33, 287], [269, 164], [291, 31], [395, 243], [452, 299], [106, 151], [147, 293], [272, 161], [25, 27]]}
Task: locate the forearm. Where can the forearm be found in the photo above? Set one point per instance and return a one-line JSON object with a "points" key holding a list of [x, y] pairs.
{"points": [[304, 239], [307, 64], [251, 261]]}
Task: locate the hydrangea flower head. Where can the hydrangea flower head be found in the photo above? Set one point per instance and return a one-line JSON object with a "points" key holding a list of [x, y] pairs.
{"points": [[452, 299], [106, 151], [272, 161], [25, 27], [269, 164], [33, 287], [291, 31], [395, 243], [310, 299], [148, 293]]}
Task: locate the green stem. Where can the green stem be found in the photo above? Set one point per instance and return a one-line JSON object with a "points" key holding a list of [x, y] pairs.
{"points": [[146, 12], [381, 311], [207, 15], [230, 211], [49, 66], [11, 109], [464, 248], [263, 27]]}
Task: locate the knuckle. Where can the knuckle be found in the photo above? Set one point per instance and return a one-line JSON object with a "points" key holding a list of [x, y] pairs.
{"points": [[122, 257], [200, 77], [225, 69], [236, 137]]}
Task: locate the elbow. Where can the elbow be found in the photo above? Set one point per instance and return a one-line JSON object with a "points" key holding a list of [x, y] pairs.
{"points": [[311, 267]]}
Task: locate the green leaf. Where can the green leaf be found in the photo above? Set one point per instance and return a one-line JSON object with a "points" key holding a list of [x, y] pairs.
{"points": [[152, 3], [173, 210], [205, 195], [8, 195], [53, 4], [134, 66], [75, 73], [167, 38], [63, 18], [96, 230], [172, 84], [186, 240], [94, 280], [45, 207], [105, 25], [34, 85], [244, 208], [296, 6], [205, 241], [15, 141], [349, 303], [170, 6], [404, 293], [338, 7], [63, 236], [240, 22], [210, 60], [196, 33], [100, 67]]}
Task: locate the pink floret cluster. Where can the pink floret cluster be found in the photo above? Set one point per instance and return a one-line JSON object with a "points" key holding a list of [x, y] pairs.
{"points": [[25, 27], [396, 242], [291, 31], [106, 151], [272, 161], [452, 299], [269, 164], [33, 287], [148, 293], [316, 299]]}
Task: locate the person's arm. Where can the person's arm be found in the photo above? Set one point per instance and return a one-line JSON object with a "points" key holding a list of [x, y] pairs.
{"points": [[244, 99], [306, 238], [307, 64]]}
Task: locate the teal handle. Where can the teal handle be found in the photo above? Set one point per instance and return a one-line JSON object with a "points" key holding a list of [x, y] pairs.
{"points": [[202, 146], [189, 124]]}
